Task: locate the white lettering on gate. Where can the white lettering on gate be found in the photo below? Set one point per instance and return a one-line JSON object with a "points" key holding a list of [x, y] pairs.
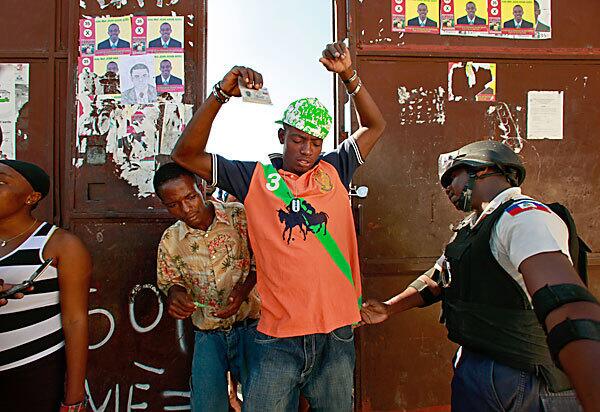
{"points": [[157, 370]]}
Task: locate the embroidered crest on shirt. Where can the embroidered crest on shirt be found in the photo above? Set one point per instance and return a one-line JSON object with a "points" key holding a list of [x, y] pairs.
{"points": [[521, 207], [302, 215], [323, 180]]}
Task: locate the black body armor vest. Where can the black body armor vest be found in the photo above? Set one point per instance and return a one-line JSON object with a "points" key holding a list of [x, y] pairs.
{"points": [[487, 311]]}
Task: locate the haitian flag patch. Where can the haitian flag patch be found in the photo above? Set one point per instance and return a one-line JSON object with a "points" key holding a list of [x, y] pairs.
{"points": [[526, 205]]}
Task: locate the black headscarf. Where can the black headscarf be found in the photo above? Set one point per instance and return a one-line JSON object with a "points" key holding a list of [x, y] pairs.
{"points": [[35, 175]]}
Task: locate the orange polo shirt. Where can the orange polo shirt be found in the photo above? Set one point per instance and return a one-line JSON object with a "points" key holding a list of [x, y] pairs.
{"points": [[302, 289]]}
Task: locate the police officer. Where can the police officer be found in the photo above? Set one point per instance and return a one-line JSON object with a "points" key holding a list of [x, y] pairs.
{"points": [[511, 297]]}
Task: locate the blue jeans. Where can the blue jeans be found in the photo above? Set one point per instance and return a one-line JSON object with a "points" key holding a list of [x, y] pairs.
{"points": [[320, 366], [215, 353], [481, 384]]}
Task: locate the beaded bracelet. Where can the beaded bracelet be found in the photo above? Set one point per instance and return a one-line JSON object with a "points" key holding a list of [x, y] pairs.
{"points": [[219, 95], [76, 407], [221, 91]]}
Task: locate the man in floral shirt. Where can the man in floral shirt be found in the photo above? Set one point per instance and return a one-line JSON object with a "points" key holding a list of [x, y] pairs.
{"points": [[204, 267]]}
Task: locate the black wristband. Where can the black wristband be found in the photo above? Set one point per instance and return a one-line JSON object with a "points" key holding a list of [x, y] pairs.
{"points": [[426, 294]]}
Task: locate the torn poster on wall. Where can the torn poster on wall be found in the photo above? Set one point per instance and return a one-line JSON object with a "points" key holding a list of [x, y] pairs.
{"points": [[14, 94], [471, 81], [130, 89], [514, 19]]}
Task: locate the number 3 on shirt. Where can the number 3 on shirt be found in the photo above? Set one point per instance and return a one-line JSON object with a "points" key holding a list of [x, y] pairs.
{"points": [[273, 183]]}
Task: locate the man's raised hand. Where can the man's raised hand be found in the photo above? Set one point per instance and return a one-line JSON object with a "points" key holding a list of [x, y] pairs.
{"points": [[336, 58], [249, 78]]}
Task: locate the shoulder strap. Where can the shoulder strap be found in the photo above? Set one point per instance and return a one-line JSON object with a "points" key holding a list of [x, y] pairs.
{"points": [[577, 247]]}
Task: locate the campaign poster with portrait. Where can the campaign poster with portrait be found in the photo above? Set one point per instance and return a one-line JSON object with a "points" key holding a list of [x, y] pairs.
{"points": [[87, 37], [543, 19], [422, 16], [113, 35], [169, 70], [137, 79], [106, 68], [518, 17], [165, 34], [471, 15]]}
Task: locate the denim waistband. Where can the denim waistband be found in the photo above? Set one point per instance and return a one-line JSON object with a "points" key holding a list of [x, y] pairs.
{"points": [[240, 323]]}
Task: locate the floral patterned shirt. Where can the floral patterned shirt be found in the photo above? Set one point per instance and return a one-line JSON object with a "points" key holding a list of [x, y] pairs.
{"points": [[208, 264]]}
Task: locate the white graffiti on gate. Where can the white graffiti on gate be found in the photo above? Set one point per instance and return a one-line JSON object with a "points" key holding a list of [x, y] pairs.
{"points": [[134, 323], [134, 292], [131, 404]]}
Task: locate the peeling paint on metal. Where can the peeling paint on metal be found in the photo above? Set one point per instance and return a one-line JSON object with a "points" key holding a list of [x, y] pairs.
{"points": [[403, 95], [510, 132], [82, 4], [451, 96], [117, 3], [422, 106]]}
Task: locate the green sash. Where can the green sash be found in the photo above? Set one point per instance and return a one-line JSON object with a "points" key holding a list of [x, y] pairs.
{"points": [[277, 185]]}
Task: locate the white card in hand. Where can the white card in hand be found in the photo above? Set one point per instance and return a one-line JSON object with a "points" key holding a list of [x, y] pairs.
{"points": [[260, 96]]}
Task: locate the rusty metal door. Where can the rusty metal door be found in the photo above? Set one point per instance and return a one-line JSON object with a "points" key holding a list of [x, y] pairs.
{"points": [[404, 364], [140, 357]]}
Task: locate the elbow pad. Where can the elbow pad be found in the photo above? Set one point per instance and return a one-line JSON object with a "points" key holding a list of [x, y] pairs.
{"points": [[551, 297], [571, 330]]}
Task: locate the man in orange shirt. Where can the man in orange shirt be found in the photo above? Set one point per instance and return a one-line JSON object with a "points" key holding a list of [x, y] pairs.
{"points": [[300, 221]]}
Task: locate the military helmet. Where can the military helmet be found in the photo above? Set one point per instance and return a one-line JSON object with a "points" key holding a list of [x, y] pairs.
{"points": [[482, 154]]}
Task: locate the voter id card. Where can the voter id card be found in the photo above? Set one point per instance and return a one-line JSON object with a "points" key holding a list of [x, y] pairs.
{"points": [[260, 96]]}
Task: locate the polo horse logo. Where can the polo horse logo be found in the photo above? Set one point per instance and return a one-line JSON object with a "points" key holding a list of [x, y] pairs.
{"points": [[292, 220], [302, 214]]}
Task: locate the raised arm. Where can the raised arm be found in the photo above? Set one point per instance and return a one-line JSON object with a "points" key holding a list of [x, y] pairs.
{"points": [[561, 301], [336, 58], [190, 150]]}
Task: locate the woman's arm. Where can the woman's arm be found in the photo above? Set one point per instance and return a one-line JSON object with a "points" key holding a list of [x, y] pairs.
{"points": [[74, 266]]}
